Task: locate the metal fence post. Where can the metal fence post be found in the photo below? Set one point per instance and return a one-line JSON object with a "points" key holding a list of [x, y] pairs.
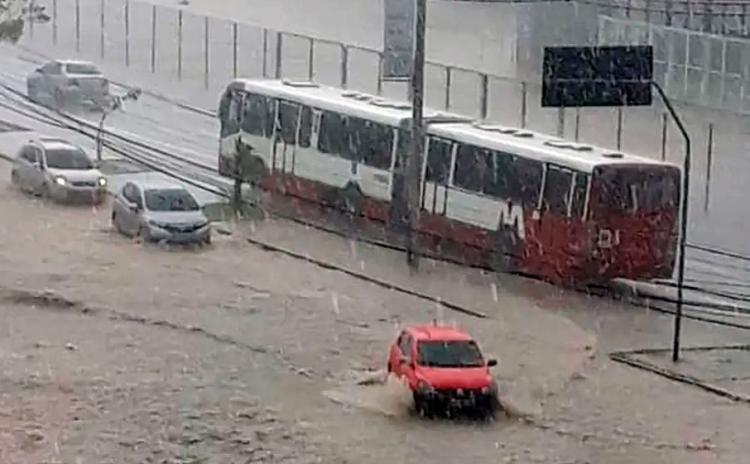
{"points": [[380, 74], [619, 127], [561, 122], [484, 96], [578, 123], [205, 52], [524, 96], [448, 77], [54, 22], [101, 28], [344, 66], [279, 52], [127, 32], [664, 136], [31, 19], [709, 162], [78, 26], [264, 55], [311, 59], [235, 34], [179, 44], [153, 39]]}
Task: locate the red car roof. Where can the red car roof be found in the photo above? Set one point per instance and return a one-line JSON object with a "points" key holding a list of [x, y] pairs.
{"points": [[438, 332]]}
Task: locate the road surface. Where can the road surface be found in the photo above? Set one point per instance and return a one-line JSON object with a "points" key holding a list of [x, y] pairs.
{"points": [[118, 352]]}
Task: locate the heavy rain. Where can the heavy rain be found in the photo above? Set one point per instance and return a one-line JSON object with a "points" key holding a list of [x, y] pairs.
{"points": [[373, 231]]}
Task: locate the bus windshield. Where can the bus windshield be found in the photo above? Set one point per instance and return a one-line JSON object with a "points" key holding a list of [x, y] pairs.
{"points": [[636, 189]]}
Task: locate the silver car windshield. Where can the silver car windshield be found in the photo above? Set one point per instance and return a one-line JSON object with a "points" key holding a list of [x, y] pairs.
{"points": [[79, 68], [68, 159], [170, 200]]}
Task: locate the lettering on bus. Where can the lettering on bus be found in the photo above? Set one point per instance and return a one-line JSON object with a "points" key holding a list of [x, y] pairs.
{"points": [[512, 216], [608, 238]]}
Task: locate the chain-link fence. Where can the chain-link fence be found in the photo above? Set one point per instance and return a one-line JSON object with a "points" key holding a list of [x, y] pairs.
{"points": [[195, 56]]}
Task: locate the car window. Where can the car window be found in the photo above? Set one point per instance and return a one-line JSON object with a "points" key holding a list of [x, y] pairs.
{"points": [[51, 68], [135, 193], [68, 158], [405, 346], [441, 353], [81, 68], [130, 192], [177, 199], [28, 154]]}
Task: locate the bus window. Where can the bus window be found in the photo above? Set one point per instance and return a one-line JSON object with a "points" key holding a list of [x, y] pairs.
{"points": [[526, 181], [332, 135], [438, 160], [375, 144], [557, 190], [230, 108], [578, 203], [305, 127], [288, 114], [255, 114], [473, 171], [502, 175], [224, 105], [637, 189]]}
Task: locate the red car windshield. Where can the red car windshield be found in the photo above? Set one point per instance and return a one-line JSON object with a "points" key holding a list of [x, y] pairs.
{"points": [[449, 354]]}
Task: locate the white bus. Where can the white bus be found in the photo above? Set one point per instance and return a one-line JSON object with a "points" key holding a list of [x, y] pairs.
{"points": [[315, 142], [519, 200]]}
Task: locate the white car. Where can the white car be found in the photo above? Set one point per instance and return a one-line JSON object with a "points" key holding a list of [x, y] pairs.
{"points": [[61, 83], [60, 170], [159, 211]]}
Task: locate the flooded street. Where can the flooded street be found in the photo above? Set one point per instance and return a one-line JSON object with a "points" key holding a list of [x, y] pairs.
{"points": [[271, 344], [124, 352]]}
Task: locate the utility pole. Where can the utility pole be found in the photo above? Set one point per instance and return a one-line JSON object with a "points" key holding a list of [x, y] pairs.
{"points": [[414, 160]]}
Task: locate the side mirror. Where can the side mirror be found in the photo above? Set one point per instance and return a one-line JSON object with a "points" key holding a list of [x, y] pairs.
{"points": [[491, 362], [403, 360]]}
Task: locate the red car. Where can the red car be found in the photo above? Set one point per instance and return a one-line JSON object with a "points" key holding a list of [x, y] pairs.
{"points": [[444, 369]]}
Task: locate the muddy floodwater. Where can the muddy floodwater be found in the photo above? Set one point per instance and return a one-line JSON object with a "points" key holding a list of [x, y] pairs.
{"points": [[114, 351]]}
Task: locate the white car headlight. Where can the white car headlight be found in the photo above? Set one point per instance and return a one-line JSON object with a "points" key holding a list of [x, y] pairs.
{"points": [[60, 180], [102, 181]]}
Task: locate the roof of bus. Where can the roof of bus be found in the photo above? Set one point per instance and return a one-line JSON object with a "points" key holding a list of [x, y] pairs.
{"points": [[349, 102], [538, 146]]}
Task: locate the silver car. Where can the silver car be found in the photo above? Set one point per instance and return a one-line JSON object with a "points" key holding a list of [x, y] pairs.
{"points": [[56, 169], [158, 211], [61, 83]]}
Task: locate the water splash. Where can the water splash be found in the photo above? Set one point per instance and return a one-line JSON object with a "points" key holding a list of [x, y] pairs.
{"points": [[378, 393]]}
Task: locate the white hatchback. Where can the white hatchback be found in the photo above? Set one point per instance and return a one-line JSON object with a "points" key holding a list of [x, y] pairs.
{"points": [[60, 170]]}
